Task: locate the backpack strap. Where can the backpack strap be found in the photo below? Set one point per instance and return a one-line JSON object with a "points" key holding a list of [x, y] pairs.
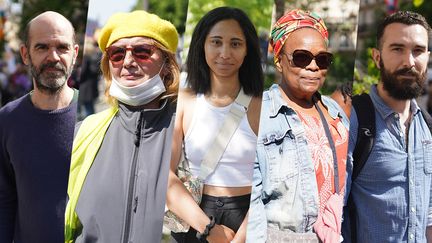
{"points": [[366, 130], [427, 118], [224, 135], [365, 111]]}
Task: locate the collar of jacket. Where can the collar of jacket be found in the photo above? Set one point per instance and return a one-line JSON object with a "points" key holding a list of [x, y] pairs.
{"points": [[278, 103], [383, 109]]}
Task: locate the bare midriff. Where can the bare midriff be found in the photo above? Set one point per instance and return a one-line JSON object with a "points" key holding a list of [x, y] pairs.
{"points": [[220, 191]]}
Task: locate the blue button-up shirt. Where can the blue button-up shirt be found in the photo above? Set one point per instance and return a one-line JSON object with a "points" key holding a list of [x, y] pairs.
{"points": [[392, 192], [285, 192]]}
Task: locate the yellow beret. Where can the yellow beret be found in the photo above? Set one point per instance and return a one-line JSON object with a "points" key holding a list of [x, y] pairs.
{"points": [[138, 23]]}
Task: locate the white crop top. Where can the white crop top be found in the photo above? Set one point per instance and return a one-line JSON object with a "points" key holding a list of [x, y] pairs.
{"points": [[235, 167]]}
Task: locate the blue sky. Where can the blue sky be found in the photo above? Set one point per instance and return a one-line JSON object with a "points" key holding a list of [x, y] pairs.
{"points": [[101, 10]]}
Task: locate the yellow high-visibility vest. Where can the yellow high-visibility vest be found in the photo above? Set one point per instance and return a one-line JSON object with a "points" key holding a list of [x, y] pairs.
{"points": [[85, 147]]}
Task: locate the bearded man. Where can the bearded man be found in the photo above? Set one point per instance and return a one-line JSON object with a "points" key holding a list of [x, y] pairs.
{"points": [[36, 133], [392, 192]]}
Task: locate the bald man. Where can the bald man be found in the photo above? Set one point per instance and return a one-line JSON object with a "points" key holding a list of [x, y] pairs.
{"points": [[36, 133]]}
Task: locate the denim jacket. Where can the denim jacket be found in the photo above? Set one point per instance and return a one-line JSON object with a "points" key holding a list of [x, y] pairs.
{"points": [[285, 192]]}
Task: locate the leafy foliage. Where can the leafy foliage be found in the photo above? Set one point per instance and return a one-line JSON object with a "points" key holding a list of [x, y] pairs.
{"points": [[172, 10], [259, 11], [340, 71], [75, 11], [362, 82]]}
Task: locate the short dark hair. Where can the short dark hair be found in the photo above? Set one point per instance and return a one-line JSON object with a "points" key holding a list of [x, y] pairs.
{"points": [[402, 17], [250, 74]]}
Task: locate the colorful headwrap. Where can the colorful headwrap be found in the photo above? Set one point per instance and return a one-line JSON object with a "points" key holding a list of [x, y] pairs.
{"points": [[293, 20]]}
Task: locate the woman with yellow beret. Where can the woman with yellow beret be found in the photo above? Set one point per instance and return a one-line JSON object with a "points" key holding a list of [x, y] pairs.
{"points": [[120, 159]]}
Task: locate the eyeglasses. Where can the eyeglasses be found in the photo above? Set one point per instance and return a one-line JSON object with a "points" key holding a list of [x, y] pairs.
{"points": [[302, 58], [140, 53]]}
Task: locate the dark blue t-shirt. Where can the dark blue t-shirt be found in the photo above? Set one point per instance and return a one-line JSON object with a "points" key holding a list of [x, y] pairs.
{"points": [[35, 148]]}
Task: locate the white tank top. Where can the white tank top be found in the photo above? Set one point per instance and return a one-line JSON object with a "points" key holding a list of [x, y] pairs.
{"points": [[235, 168]]}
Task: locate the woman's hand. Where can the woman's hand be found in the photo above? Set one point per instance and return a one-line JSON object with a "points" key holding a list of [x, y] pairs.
{"points": [[179, 200], [240, 236], [220, 234]]}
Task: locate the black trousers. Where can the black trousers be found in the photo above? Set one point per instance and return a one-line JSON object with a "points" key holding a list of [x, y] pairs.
{"points": [[228, 211]]}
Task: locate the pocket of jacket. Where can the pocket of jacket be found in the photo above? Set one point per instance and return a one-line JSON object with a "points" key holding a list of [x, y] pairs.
{"points": [[427, 156], [281, 155]]}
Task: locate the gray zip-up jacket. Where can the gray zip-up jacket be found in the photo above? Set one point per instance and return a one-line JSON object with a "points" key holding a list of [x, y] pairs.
{"points": [[123, 196]]}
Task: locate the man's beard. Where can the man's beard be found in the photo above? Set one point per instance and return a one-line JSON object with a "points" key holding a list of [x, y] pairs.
{"points": [[400, 88], [50, 81]]}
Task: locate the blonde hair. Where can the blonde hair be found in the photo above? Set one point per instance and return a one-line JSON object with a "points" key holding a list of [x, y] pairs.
{"points": [[170, 74]]}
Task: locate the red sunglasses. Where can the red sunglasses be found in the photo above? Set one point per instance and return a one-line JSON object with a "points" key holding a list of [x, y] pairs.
{"points": [[140, 53]]}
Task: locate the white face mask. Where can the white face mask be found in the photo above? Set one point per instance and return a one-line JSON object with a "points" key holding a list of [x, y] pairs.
{"points": [[140, 94]]}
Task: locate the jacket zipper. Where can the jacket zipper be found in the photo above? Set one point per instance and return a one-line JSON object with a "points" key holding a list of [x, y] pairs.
{"points": [[132, 181]]}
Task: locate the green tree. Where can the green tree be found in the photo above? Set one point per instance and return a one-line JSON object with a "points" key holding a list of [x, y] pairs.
{"points": [[362, 82], [259, 11], [172, 10], [75, 11], [425, 9], [340, 71]]}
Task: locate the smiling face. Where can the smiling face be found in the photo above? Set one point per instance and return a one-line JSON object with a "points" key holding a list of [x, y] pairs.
{"points": [[225, 49], [134, 71], [299, 82]]}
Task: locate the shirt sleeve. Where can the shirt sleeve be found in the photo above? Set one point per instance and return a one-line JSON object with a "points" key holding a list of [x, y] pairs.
{"points": [[429, 218], [8, 195], [257, 224], [346, 227], [429, 215]]}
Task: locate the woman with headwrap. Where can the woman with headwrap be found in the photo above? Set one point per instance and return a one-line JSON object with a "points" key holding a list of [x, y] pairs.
{"points": [[299, 176], [120, 159]]}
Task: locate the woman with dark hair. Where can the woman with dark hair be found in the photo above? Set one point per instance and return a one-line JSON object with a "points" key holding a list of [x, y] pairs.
{"points": [[223, 61]]}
